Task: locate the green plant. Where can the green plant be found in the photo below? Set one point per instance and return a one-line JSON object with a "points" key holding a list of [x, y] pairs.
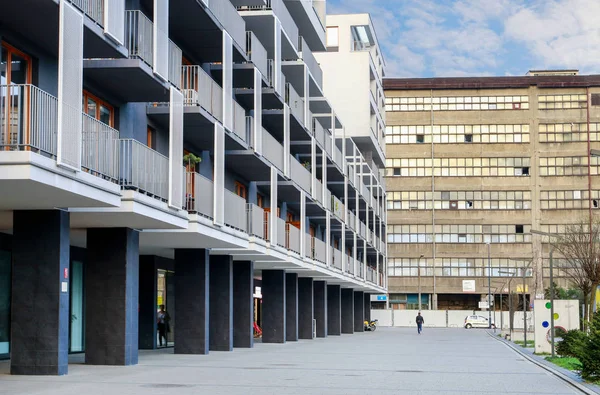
{"points": [[590, 354], [572, 343], [570, 363], [191, 160]]}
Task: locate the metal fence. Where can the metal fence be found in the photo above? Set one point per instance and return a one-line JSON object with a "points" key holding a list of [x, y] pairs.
{"points": [[175, 68], [239, 121], [281, 234], [256, 53], [199, 89], [235, 211], [320, 250], [300, 175], [256, 218], [99, 154], [139, 36], [293, 238], [92, 8], [296, 103], [199, 194], [272, 149], [143, 169], [228, 16]]}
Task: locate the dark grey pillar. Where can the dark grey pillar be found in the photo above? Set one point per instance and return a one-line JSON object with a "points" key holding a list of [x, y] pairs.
{"points": [[191, 301], [221, 303], [147, 299], [320, 304], [367, 307], [347, 311], [291, 301], [359, 311], [40, 304], [111, 296], [273, 306], [243, 304], [334, 310], [305, 308]]}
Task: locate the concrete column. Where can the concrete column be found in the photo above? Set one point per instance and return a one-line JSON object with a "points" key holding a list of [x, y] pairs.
{"points": [[147, 299], [359, 311], [367, 299], [191, 301], [334, 310], [347, 311], [305, 307], [243, 304], [221, 303], [273, 306], [320, 307], [111, 296], [291, 301], [40, 304]]}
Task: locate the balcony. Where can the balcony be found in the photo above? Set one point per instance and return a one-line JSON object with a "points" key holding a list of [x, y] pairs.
{"points": [[351, 220], [272, 150], [360, 269], [229, 18], [199, 89], [292, 238], [301, 176], [371, 275], [309, 16], [29, 136], [257, 53], [144, 170], [199, 197], [320, 250], [258, 222], [337, 258], [296, 103], [281, 236], [350, 262], [235, 211], [338, 208], [309, 59]]}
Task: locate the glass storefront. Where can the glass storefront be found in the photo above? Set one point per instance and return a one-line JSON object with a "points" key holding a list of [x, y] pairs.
{"points": [[76, 313], [166, 296], [5, 280]]}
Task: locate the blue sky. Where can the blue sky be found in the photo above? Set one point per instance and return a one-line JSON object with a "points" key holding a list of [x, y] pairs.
{"points": [[440, 38]]}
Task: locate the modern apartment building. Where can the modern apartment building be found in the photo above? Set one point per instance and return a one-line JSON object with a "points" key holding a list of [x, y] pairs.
{"points": [[178, 153], [473, 166]]}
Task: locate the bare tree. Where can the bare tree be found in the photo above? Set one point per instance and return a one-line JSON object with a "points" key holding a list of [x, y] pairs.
{"points": [[579, 250]]}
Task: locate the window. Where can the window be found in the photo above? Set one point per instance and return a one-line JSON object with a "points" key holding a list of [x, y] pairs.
{"points": [[457, 103], [468, 138], [397, 171], [333, 38], [98, 109], [289, 217], [595, 99], [151, 137], [525, 171], [453, 205], [457, 134], [240, 189], [420, 138], [259, 200], [518, 228], [469, 204]]}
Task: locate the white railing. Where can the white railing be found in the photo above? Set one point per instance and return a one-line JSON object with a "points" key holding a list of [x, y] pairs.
{"points": [[328, 143], [318, 131], [293, 238], [239, 121], [300, 175], [363, 229], [198, 194], [250, 131], [337, 207], [351, 174], [280, 10], [228, 16], [257, 53], [309, 246], [281, 239], [272, 150], [200, 90], [351, 220], [139, 36], [360, 269], [92, 8], [327, 199], [175, 58], [320, 250], [382, 246], [28, 120], [337, 158], [256, 219], [296, 103], [99, 154], [319, 191], [371, 276], [310, 61], [235, 211], [143, 169], [337, 258], [349, 264]]}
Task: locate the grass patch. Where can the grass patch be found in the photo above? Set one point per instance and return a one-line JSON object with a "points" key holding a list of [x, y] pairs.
{"points": [[569, 363], [530, 343]]}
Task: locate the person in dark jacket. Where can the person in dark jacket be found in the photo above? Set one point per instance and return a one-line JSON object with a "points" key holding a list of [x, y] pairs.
{"points": [[420, 321]]}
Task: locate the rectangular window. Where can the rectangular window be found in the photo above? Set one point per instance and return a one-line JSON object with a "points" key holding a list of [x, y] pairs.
{"points": [[420, 138], [333, 37], [468, 138], [98, 108], [151, 137], [595, 99], [240, 189]]}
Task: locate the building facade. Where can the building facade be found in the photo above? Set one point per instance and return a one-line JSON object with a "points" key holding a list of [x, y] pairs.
{"points": [[473, 166], [177, 153]]}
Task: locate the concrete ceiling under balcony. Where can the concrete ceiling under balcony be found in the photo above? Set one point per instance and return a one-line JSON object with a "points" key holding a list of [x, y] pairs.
{"points": [[248, 165], [261, 23], [35, 21]]}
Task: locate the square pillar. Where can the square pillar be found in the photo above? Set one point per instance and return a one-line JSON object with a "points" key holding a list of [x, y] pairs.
{"points": [[320, 304], [359, 311], [221, 303], [243, 304], [111, 296], [347, 311], [147, 311], [273, 306], [191, 301], [291, 301], [367, 300], [40, 301], [305, 308], [334, 310]]}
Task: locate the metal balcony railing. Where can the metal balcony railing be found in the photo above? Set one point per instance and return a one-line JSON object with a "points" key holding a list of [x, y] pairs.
{"points": [[292, 238], [256, 221], [296, 103], [300, 174], [257, 53], [99, 153], [318, 131], [199, 194], [235, 211], [228, 16], [349, 265], [143, 169], [320, 249], [281, 12], [371, 275], [139, 36], [309, 246], [239, 121], [319, 191], [337, 207], [92, 8], [309, 59], [337, 258], [200, 90], [272, 150], [281, 233], [175, 70]]}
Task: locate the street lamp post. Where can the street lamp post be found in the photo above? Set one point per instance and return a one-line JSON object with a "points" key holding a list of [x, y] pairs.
{"points": [[419, 275]]}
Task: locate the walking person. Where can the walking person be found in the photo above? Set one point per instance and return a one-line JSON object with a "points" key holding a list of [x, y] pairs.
{"points": [[162, 320], [420, 321]]}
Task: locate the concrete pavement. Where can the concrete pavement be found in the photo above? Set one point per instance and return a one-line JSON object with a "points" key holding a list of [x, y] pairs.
{"points": [[388, 361]]}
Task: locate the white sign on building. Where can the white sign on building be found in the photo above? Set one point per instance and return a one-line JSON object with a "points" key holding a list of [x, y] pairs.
{"points": [[468, 285]]}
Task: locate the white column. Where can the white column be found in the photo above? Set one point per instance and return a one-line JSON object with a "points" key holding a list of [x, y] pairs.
{"points": [[286, 141], [219, 175], [176, 178], [227, 81], [160, 32], [114, 20], [328, 236], [273, 217], [303, 251], [257, 112]]}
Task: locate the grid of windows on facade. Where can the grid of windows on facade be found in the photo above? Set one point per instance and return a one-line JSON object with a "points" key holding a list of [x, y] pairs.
{"points": [[554, 200], [569, 166], [459, 200], [456, 233], [409, 301], [461, 167], [560, 267], [416, 134], [561, 229], [556, 102], [568, 132], [456, 267], [457, 103]]}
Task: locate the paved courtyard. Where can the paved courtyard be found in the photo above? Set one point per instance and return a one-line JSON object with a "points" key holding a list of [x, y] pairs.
{"points": [[388, 361]]}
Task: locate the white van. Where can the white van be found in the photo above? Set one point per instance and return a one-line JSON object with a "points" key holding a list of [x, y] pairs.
{"points": [[477, 321]]}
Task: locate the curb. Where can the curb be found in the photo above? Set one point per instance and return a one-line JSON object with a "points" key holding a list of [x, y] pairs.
{"points": [[581, 387]]}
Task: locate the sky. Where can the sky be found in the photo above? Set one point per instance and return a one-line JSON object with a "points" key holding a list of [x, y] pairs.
{"points": [[453, 38]]}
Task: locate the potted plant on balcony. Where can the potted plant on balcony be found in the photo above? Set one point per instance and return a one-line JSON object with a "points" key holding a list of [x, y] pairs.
{"points": [[190, 161], [306, 165]]}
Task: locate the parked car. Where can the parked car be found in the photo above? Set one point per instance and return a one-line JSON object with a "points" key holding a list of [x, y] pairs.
{"points": [[477, 321]]}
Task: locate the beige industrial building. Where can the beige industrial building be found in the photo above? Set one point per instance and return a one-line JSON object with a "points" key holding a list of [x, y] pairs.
{"points": [[473, 165]]}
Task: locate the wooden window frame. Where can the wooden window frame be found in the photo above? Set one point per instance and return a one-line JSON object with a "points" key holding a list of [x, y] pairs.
{"points": [[8, 72], [150, 137], [99, 102], [241, 190]]}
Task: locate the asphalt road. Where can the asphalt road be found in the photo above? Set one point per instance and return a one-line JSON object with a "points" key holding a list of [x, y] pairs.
{"points": [[388, 361]]}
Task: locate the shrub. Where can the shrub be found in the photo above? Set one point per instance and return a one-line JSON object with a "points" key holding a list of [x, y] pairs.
{"points": [[590, 354], [572, 343]]}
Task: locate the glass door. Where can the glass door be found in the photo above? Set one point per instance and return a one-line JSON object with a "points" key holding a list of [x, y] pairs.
{"points": [[77, 313], [15, 73], [165, 308]]}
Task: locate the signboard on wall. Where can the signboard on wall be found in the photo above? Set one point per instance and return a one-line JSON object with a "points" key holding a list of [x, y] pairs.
{"points": [[378, 298], [468, 285]]}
